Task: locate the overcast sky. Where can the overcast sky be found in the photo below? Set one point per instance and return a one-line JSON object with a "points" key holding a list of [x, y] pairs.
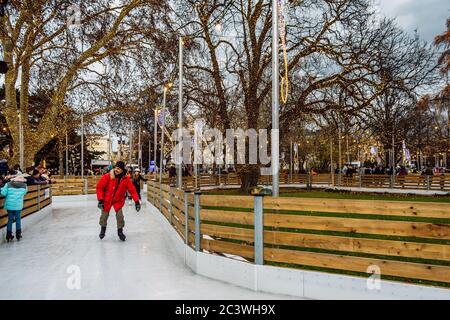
{"points": [[427, 16]]}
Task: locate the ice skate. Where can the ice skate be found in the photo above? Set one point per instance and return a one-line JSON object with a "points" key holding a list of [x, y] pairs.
{"points": [[9, 237], [102, 233], [121, 235], [18, 235]]}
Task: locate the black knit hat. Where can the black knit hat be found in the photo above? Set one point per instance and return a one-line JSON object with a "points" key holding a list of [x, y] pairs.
{"points": [[120, 164]]}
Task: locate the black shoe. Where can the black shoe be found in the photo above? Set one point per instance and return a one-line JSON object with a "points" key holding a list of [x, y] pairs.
{"points": [[121, 235], [102, 233], [9, 237], [18, 235]]}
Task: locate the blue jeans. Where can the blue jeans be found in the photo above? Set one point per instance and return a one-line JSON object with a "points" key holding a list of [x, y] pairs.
{"points": [[17, 214]]}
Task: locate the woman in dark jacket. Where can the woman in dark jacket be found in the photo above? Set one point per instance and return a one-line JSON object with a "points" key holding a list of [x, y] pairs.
{"points": [[137, 180]]}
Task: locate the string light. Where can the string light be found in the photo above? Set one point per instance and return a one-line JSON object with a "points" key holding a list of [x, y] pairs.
{"points": [[285, 80]]}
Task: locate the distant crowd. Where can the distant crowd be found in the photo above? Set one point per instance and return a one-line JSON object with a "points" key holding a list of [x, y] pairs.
{"points": [[36, 175]]}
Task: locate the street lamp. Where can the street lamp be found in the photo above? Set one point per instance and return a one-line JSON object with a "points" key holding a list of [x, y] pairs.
{"points": [[180, 109], [275, 104], [167, 87]]}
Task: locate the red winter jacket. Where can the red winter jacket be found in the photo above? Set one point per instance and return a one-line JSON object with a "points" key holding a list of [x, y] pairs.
{"points": [[112, 194]]}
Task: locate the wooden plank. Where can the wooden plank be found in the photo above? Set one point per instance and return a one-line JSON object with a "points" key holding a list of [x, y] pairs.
{"points": [[178, 193], [177, 203], [165, 187], [178, 227], [377, 207], [392, 268], [244, 251], [178, 214], [236, 217], [381, 227], [359, 245], [165, 212], [227, 201], [227, 232]]}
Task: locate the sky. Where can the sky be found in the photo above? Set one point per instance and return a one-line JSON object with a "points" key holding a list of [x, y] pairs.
{"points": [[427, 16]]}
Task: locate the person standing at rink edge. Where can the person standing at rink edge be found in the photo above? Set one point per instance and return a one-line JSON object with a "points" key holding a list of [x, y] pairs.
{"points": [[111, 193], [14, 192]]}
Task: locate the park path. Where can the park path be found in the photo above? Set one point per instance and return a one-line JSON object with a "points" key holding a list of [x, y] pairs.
{"points": [[144, 267]]}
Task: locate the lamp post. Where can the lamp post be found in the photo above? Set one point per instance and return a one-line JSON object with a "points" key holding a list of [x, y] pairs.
{"points": [[156, 138], [163, 127], [67, 153], [180, 110], [139, 150], [131, 143], [82, 146], [275, 104], [21, 142]]}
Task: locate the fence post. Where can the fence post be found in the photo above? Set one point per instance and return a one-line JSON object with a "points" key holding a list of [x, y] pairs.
{"points": [[39, 197], [186, 219], [86, 187], [360, 180], [197, 221], [160, 197], [428, 183], [170, 205], [259, 229]]}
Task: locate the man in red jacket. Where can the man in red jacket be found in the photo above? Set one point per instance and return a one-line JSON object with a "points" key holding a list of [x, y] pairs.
{"points": [[111, 193]]}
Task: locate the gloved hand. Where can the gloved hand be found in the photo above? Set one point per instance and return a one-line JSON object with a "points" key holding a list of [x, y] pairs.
{"points": [[101, 205], [138, 206]]}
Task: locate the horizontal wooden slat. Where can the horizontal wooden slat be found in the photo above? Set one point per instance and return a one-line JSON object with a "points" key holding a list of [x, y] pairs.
{"points": [[244, 251], [227, 232], [392, 268], [380, 227], [177, 203], [228, 201], [376, 207], [359, 245], [178, 193], [235, 217]]}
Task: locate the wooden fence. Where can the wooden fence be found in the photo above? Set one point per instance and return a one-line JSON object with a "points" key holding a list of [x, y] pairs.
{"points": [[37, 198], [413, 182], [75, 186], [405, 241], [78, 186]]}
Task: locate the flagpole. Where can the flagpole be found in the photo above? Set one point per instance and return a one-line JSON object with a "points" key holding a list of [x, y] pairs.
{"points": [[275, 104]]}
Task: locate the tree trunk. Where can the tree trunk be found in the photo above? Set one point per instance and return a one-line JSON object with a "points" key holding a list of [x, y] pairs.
{"points": [[61, 157], [249, 175]]}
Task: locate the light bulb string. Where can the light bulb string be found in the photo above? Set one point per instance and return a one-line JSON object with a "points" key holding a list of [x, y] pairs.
{"points": [[284, 90]]}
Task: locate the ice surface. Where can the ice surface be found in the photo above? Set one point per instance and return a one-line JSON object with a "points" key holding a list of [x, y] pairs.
{"points": [[45, 263]]}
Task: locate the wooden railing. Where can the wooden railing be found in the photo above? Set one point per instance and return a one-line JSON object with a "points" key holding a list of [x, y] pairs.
{"points": [[416, 182], [78, 186], [405, 241], [37, 198]]}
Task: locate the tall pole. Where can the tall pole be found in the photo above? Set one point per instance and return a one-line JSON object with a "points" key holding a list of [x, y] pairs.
{"points": [[161, 159], [20, 141], [180, 110], [275, 104], [140, 150], [109, 147], [332, 162], [340, 157], [155, 138], [67, 154], [291, 171], [131, 143], [82, 146]]}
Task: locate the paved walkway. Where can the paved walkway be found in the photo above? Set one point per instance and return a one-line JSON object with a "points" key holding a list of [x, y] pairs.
{"points": [[144, 267]]}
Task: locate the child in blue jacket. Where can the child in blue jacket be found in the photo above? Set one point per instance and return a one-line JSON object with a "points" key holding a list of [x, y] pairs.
{"points": [[14, 192]]}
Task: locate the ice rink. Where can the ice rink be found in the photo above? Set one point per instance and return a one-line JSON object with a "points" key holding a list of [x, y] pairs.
{"points": [[61, 257]]}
